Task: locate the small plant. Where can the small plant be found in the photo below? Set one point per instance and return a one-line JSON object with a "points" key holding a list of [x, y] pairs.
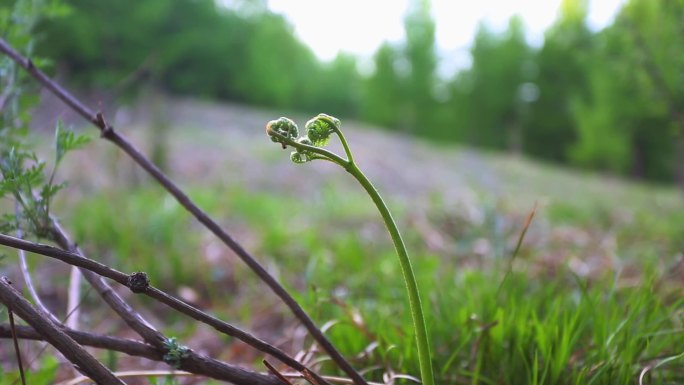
{"points": [[318, 132], [175, 352], [22, 175]]}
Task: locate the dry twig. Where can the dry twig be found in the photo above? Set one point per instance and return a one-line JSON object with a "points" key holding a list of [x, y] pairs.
{"points": [[56, 336], [28, 280], [108, 133], [99, 269]]}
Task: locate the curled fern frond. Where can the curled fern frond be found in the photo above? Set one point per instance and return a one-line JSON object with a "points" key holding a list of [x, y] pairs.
{"points": [[301, 155], [319, 129], [282, 126], [309, 146]]}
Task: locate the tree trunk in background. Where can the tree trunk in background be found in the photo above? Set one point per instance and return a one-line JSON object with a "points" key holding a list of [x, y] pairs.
{"points": [[679, 168], [638, 167]]}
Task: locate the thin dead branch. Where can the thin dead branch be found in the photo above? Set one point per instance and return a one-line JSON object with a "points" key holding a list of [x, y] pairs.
{"points": [[108, 133], [55, 336], [194, 362], [276, 373], [211, 368], [99, 269], [132, 318], [26, 274], [123, 345], [15, 341], [73, 310]]}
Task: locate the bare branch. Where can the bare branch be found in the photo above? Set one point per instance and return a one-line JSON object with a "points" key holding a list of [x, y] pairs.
{"points": [[70, 257], [229, 329], [194, 362], [198, 364], [27, 276], [31, 289], [276, 373], [15, 341], [132, 318], [127, 346], [107, 132], [72, 310], [95, 267], [55, 336]]}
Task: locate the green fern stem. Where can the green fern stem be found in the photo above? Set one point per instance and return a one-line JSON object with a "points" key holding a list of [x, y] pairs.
{"points": [[417, 314], [280, 132]]}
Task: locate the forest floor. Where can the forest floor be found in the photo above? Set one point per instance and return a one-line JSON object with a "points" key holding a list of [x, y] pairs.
{"points": [[226, 142]]}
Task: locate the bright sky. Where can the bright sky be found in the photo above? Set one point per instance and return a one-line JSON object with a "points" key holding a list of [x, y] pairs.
{"points": [[360, 26]]}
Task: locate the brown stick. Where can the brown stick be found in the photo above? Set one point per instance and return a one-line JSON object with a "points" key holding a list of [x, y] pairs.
{"points": [[132, 318], [107, 132], [276, 373], [123, 345], [15, 341], [55, 336], [194, 363], [28, 281], [69, 257], [211, 368], [100, 269]]}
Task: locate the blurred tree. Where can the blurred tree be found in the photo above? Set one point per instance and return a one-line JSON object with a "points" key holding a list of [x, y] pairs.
{"points": [[420, 53], [499, 88], [632, 120], [243, 53], [382, 97], [601, 124], [561, 75], [611, 100], [399, 93], [457, 110], [102, 43], [200, 48], [656, 31], [280, 70], [338, 87]]}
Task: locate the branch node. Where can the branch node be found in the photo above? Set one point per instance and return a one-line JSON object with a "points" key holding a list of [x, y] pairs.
{"points": [[138, 282], [175, 352], [99, 121], [29, 64]]}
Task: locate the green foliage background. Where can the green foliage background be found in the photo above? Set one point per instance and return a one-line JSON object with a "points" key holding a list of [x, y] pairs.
{"points": [[608, 100]]}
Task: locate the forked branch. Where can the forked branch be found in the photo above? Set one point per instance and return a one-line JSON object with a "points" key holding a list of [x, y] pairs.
{"points": [[123, 345], [133, 282], [56, 336], [107, 132]]}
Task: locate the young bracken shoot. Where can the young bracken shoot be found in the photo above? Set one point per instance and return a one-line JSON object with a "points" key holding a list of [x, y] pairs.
{"points": [[310, 147]]}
